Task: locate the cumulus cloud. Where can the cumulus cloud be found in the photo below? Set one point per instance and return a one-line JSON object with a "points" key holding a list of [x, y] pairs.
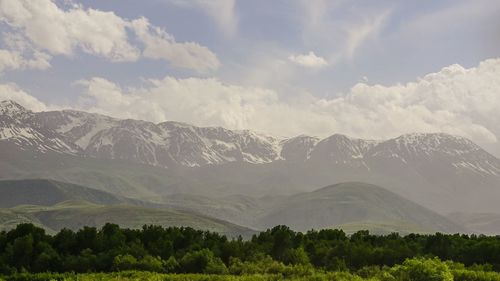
{"points": [[455, 100], [308, 60], [15, 60], [206, 102], [61, 31]]}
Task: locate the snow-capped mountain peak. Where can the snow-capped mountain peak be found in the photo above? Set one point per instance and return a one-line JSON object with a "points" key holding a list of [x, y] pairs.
{"points": [[13, 109], [170, 143]]}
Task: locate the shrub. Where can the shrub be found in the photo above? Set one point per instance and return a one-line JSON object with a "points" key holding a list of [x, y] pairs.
{"points": [[171, 265], [472, 275], [421, 269], [124, 262]]}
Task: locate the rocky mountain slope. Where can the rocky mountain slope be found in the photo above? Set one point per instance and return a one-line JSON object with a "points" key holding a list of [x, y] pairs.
{"points": [[176, 144], [149, 161]]}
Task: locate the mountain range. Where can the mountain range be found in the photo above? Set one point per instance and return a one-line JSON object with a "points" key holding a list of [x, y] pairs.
{"points": [[226, 172]]}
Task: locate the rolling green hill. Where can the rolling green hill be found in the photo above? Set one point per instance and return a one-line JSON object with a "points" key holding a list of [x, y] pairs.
{"points": [[55, 205], [76, 214], [356, 206], [480, 223], [49, 192]]}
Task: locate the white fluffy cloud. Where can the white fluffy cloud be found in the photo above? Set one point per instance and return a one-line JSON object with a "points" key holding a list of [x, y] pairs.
{"points": [[455, 100], [161, 45], [61, 31], [308, 60], [16, 60]]}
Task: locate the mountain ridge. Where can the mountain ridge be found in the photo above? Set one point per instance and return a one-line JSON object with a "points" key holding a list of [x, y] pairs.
{"points": [[144, 160], [167, 144]]}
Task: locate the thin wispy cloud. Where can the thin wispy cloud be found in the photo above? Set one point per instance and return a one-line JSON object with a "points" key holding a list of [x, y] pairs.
{"points": [[222, 12]]}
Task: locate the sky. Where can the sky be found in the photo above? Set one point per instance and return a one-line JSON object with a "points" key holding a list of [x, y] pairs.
{"points": [[368, 69]]}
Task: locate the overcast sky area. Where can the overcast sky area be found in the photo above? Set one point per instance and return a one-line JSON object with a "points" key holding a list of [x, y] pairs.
{"points": [[369, 69]]}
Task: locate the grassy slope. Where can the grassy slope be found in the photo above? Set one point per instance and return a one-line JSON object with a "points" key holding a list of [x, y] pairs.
{"points": [[54, 205], [357, 206], [146, 182], [76, 214], [483, 223], [49, 192]]}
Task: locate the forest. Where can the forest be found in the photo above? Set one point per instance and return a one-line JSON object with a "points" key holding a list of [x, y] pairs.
{"points": [[29, 253]]}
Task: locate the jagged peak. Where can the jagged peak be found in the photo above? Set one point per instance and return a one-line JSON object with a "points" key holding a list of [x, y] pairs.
{"points": [[175, 124], [427, 143], [301, 138], [433, 139], [345, 139], [9, 107]]}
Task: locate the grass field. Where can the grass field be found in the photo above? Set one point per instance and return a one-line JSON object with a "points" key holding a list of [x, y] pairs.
{"points": [[458, 275], [76, 214]]}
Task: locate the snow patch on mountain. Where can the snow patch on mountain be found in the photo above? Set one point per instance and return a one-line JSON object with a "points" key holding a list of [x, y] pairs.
{"points": [[169, 144]]}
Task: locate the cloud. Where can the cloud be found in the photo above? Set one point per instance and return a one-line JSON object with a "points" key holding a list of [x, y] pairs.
{"points": [[13, 92], [359, 33], [455, 100], [59, 31], [308, 60], [161, 45], [207, 102], [11, 60], [221, 11], [340, 28]]}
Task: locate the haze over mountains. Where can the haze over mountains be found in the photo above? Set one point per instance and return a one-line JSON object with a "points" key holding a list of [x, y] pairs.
{"points": [[231, 175]]}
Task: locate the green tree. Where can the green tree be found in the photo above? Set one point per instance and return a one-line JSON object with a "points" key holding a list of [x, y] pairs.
{"points": [[23, 252], [421, 269], [171, 265], [296, 256], [124, 262]]}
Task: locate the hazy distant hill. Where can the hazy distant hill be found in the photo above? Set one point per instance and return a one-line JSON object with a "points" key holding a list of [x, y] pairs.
{"points": [[49, 192], [350, 204], [480, 223], [56, 205]]}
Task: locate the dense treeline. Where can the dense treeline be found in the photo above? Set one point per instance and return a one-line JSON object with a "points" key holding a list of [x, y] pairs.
{"points": [[185, 250]]}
